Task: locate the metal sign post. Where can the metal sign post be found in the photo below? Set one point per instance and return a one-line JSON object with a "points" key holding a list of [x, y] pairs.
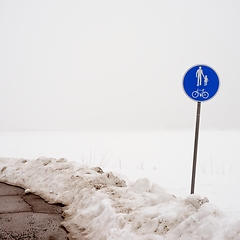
{"points": [[195, 147], [200, 83]]}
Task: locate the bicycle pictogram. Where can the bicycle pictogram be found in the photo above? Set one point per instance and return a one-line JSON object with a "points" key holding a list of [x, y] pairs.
{"points": [[201, 93]]}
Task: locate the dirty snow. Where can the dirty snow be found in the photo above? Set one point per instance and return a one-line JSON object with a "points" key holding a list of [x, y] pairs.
{"points": [[100, 205], [141, 190]]}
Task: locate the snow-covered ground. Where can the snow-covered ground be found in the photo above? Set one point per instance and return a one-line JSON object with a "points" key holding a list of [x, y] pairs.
{"points": [[144, 190]]}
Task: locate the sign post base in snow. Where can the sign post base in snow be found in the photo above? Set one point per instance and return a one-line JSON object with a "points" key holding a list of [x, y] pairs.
{"points": [[200, 83]]}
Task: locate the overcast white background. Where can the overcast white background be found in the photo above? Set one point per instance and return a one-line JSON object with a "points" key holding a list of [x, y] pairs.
{"points": [[113, 65]]}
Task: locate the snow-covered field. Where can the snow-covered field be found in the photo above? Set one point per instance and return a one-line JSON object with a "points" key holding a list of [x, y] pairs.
{"points": [[144, 190]]}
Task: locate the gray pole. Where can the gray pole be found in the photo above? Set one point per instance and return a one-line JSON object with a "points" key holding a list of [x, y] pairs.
{"points": [[195, 147]]}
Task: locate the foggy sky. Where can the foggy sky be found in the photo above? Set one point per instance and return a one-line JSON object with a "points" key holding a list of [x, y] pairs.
{"points": [[115, 65]]}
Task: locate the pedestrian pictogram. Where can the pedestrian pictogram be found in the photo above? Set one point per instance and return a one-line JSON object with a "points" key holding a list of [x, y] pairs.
{"points": [[200, 83]]}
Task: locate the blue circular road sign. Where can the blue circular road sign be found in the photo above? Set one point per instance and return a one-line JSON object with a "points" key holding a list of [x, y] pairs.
{"points": [[200, 83]]}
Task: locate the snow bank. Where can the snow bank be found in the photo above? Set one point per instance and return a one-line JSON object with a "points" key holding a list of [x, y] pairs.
{"points": [[99, 205]]}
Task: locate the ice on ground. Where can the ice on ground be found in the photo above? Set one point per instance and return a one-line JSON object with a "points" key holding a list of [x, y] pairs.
{"points": [[100, 205]]}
